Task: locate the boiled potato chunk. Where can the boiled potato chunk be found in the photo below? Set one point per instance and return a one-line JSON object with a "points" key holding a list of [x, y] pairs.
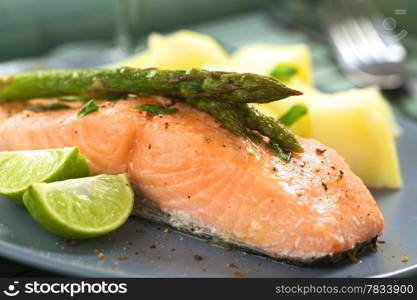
{"points": [[261, 58], [181, 50], [358, 124], [359, 127]]}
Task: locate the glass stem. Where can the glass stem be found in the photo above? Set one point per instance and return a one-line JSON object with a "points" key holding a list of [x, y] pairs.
{"points": [[129, 24]]}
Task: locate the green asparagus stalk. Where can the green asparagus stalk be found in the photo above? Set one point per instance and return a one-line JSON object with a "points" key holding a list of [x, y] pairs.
{"points": [[269, 127], [224, 95], [239, 118], [106, 83], [223, 112]]}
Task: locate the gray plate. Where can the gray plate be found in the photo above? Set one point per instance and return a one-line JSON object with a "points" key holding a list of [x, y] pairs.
{"points": [[128, 251]]}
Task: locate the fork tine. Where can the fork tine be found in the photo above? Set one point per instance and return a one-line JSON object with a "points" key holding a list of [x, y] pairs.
{"points": [[358, 43], [368, 24], [369, 39], [367, 44], [334, 17], [342, 45]]}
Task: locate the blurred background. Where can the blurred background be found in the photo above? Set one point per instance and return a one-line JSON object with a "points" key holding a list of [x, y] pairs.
{"points": [[45, 34], [34, 27], [37, 34]]}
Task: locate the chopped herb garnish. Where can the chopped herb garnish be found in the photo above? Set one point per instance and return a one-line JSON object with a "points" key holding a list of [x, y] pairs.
{"points": [[352, 254], [255, 138], [283, 71], [284, 155], [53, 106], [88, 108], [293, 114], [155, 109]]}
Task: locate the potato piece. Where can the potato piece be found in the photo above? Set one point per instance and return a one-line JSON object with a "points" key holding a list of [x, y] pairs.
{"points": [[358, 124], [261, 58], [181, 50]]}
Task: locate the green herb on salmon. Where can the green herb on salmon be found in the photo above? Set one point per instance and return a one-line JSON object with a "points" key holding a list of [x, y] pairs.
{"points": [[88, 108], [155, 109], [284, 155]]}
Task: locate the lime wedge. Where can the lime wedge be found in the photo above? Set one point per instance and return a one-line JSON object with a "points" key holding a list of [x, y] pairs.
{"points": [[81, 208], [19, 169]]}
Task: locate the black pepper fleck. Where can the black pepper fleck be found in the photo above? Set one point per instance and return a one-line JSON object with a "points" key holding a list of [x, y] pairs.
{"points": [[341, 173], [70, 242], [197, 257]]}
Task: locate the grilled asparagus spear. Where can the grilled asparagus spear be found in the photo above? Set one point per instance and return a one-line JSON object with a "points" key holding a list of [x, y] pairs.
{"points": [[223, 112], [105, 83], [269, 127], [224, 95]]}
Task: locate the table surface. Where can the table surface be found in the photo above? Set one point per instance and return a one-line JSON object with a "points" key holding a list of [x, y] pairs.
{"points": [[253, 27]]}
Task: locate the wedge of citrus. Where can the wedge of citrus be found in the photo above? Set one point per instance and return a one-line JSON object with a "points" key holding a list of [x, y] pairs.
{"points": [[19, 169], [81, 208]]}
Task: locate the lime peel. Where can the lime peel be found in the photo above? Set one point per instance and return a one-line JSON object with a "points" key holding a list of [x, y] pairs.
{"points": [[81, 208], [19, 169]]}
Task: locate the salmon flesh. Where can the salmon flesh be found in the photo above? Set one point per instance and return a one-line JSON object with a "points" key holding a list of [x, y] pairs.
{"points": [[196, 176]]}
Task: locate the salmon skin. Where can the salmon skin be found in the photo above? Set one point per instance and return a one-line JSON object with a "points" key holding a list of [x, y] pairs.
{"points": [[198, 177]]}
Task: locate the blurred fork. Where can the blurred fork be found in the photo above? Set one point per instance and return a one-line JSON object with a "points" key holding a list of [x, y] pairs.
{"points": [[369, 53]]}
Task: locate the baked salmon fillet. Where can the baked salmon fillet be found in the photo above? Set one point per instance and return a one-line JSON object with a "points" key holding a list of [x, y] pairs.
{"points": [[193, 174]]}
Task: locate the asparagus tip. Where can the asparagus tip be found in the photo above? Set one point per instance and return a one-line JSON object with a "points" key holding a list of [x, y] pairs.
{"points": [[296, 92]]}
